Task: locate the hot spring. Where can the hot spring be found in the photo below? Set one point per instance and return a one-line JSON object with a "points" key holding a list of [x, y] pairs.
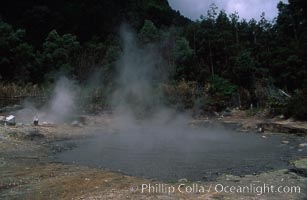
{"points": [[163, 145], [172, 151]]}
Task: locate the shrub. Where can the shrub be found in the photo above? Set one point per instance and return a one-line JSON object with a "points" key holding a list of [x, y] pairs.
{"points": [[220, 91], [181, 94], [221, 87], [296, 106]]}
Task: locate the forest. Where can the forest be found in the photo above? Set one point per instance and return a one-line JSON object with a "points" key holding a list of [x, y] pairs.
{"points": [[211, 64]]}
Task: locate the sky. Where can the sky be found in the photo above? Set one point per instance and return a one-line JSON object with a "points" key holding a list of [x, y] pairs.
{"points": [[246, 8]]}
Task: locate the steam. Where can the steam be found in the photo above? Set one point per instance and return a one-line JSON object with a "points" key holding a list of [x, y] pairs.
{"points": [[138, 75], [150, 136], [136, 95], [62, 104], [61, 107]]}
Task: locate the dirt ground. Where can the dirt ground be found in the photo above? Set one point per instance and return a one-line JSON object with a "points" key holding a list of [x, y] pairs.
{"points": [[27, 172]]}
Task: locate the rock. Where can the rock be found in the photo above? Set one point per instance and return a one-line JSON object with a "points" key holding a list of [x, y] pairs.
{"points": [[48, 123], [260, 130], [35, 121], [281, 117], [82, 120], [76, 124], [299, 171], [285, 142], [300, 167], [183, 180], [19, 124], [232, 178], [10, 120], [283, 128], [216, 114], [227, 114], [302, 145], [2, 162]]}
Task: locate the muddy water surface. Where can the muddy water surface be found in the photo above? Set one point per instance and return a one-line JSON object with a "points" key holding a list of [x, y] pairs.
{"points": [[176, 152]]}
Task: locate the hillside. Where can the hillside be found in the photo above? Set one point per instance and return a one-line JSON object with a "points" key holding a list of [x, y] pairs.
{"points": [[85, 18]]}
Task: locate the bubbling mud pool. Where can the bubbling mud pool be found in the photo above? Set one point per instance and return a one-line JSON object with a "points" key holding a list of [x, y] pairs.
{"points": [[169, 154]]}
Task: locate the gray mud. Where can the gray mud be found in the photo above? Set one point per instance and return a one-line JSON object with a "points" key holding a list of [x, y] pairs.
{"points": [[197, 154]]}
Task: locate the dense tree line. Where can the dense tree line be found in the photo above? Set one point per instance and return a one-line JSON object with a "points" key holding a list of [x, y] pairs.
{"points": [[41, 38]]}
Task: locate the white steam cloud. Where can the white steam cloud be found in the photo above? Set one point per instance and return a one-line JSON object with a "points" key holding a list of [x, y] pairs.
{"points": [[137, 74], [61, 107]]}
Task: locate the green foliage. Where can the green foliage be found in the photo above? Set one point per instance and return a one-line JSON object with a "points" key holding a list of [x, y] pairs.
{"points": [[253, 112], [58, 52], [220, 91], [183, 55], [290, 65], [149, 32], [86, 18], [182, 51], [221, 46], [296, 106], [221, 87], [17, 56], [110, 58], [276, 106], [244, 70], [182, 94]]}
